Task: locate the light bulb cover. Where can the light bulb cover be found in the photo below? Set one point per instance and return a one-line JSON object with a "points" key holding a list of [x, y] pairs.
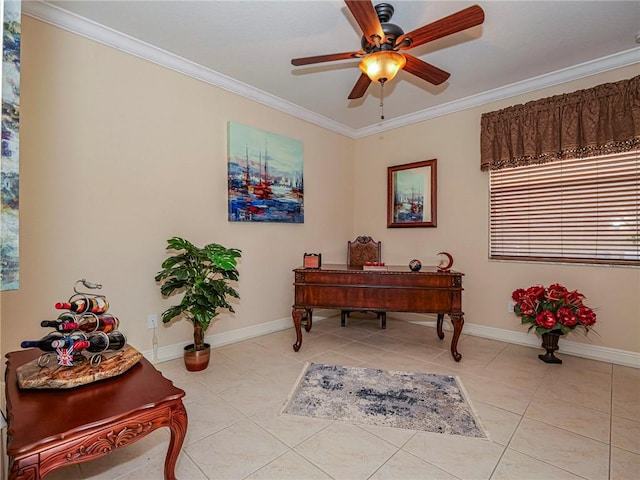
{"points": [[382, 66]]}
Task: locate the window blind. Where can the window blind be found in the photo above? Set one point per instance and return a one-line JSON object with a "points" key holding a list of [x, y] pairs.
{"points": [[583, 210]]}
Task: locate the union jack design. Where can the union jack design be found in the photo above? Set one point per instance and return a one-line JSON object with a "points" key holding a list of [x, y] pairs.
{"points": [[65, 356]]}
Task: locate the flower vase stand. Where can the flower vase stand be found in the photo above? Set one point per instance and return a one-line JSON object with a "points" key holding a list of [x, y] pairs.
{"points": [[550, 344]]}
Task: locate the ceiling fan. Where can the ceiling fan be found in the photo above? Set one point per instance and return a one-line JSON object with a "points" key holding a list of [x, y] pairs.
{"points": [[382, 41]]}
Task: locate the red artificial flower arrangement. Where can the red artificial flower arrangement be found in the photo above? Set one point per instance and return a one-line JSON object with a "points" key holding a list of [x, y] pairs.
{"points": [[553, 309]]}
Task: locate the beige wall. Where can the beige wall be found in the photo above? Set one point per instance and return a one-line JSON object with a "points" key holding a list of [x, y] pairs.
{"points": [[117, 155], [454, 140]]}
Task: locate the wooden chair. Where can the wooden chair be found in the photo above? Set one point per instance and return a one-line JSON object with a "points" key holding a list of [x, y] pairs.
{"points": [[363, 249]]}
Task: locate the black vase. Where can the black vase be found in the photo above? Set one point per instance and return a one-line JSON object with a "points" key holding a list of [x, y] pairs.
{"points": [[550, 344]]}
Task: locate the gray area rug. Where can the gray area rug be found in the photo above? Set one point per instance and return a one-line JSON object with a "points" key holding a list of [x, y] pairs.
{"points": [[415, 401]]}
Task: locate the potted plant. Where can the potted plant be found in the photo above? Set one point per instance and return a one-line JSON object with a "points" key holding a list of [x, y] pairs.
{"points": [[203, 275], [552, 311]]}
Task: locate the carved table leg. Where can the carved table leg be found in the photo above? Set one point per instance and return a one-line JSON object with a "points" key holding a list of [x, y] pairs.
{"points": [[308, 323], [458, 322], [178, 427], [296, 314], [439, 326], [26, 468]]}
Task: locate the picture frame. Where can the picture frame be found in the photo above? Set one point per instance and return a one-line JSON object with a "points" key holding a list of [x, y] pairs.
{"points": [[412, 195], [264, 176]]}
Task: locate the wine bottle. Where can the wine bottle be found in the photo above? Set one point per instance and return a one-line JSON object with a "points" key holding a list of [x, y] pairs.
{"points": [[90, 322], [100, 341], [78, 340], [59, 323], [44, 344], [85, 304], [54, 340]]}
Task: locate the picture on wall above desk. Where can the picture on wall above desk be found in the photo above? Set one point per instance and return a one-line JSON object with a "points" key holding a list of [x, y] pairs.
{"points": [[412, 194], [265, 176]]}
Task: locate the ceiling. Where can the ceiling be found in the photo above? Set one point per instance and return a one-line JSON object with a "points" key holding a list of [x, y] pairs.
{"points": [[246, 46]]}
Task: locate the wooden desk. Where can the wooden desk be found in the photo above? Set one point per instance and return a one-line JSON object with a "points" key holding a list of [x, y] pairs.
{"points": [[396, 289], [49, 429]]}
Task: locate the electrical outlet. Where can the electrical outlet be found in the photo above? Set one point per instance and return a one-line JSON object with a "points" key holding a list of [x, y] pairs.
{"points": [[510, 306], [152, 320]]}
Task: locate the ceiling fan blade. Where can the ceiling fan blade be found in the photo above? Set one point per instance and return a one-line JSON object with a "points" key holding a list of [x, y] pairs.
{"points": [[325, 58], [367, 19], [360, 87], [467, 18], [425, 70]]}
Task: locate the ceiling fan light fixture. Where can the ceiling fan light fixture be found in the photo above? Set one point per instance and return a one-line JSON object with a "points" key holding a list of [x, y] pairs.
{"points": [[382, 66]]}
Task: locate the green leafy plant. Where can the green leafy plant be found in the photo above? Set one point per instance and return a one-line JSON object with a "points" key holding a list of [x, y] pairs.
{"points": [[203, 275]]}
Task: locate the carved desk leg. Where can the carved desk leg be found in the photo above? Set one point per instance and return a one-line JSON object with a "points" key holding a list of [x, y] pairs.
{"points": [[178, 427], [26, 468], [458, 321], [299, 315], [308, 322], [439, 326], [296, 314]]}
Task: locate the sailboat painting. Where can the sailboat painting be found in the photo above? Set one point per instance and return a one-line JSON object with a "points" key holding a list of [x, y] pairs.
{"points": [[412, 195], [265, 176]]}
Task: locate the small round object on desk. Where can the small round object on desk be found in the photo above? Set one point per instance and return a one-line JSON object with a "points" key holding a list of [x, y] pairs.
{"points": [[415, 265]]}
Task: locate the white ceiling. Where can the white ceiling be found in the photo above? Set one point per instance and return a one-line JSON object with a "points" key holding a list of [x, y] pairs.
{"points": [[522, 45]]}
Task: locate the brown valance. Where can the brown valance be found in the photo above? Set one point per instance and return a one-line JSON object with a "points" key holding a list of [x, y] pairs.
{"points": [[596, 121]]}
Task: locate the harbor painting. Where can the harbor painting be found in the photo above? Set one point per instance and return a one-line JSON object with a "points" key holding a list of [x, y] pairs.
{"points": [[9, 168], [411, 196], [265, 176]]}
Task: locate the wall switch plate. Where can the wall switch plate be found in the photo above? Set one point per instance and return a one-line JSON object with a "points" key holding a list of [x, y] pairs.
{"points": [[510, 306], [152, 320]]}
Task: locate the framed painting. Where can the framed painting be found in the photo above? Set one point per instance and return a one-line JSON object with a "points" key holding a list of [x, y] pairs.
{"points": [[10, 151], [265, 176], [412, 194]]}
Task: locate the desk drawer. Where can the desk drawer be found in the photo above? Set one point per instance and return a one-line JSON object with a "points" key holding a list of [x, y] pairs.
{"points": [[391, 298]]}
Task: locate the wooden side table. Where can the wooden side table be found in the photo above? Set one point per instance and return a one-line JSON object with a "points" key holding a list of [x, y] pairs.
{"points": [[49, 429]]}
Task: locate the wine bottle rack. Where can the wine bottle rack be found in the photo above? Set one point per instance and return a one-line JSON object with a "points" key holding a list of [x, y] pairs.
{"points": [[102, 350]]}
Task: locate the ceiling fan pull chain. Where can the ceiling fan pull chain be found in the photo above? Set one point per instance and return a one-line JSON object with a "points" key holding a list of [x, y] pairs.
{"points": [[381, 100]]}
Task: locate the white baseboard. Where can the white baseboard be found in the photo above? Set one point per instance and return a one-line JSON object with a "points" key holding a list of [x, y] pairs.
{"points": [[171, 352], [569, 347]]}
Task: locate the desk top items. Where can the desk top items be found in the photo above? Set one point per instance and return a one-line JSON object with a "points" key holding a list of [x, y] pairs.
{"points": [[415, 265], [312, 260], [374, 266], [85, 343], [446, 262]]}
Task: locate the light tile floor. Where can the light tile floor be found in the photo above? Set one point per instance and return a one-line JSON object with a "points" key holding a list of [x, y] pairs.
{"points": [[579, 420]]}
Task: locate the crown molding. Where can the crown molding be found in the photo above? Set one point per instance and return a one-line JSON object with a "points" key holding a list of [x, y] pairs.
{"points": [[604, 64], [71, 22]]}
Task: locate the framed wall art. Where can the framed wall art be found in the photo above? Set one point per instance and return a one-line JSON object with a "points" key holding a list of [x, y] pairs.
{"points": [[10, 151], [412, 194], [265, 176]]}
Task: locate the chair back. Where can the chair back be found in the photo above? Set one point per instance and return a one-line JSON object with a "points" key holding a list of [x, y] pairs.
{"points": [[363, 249]]}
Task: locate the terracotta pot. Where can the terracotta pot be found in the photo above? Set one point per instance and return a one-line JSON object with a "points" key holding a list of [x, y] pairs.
{"points": [[550, 344], [196, 360]]}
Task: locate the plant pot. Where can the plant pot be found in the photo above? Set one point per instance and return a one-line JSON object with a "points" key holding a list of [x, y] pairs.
{"points": [[196, 360], [550, 344]]}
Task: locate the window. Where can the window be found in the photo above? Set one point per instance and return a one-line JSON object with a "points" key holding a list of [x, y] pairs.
{"points": [[583, 210]]}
